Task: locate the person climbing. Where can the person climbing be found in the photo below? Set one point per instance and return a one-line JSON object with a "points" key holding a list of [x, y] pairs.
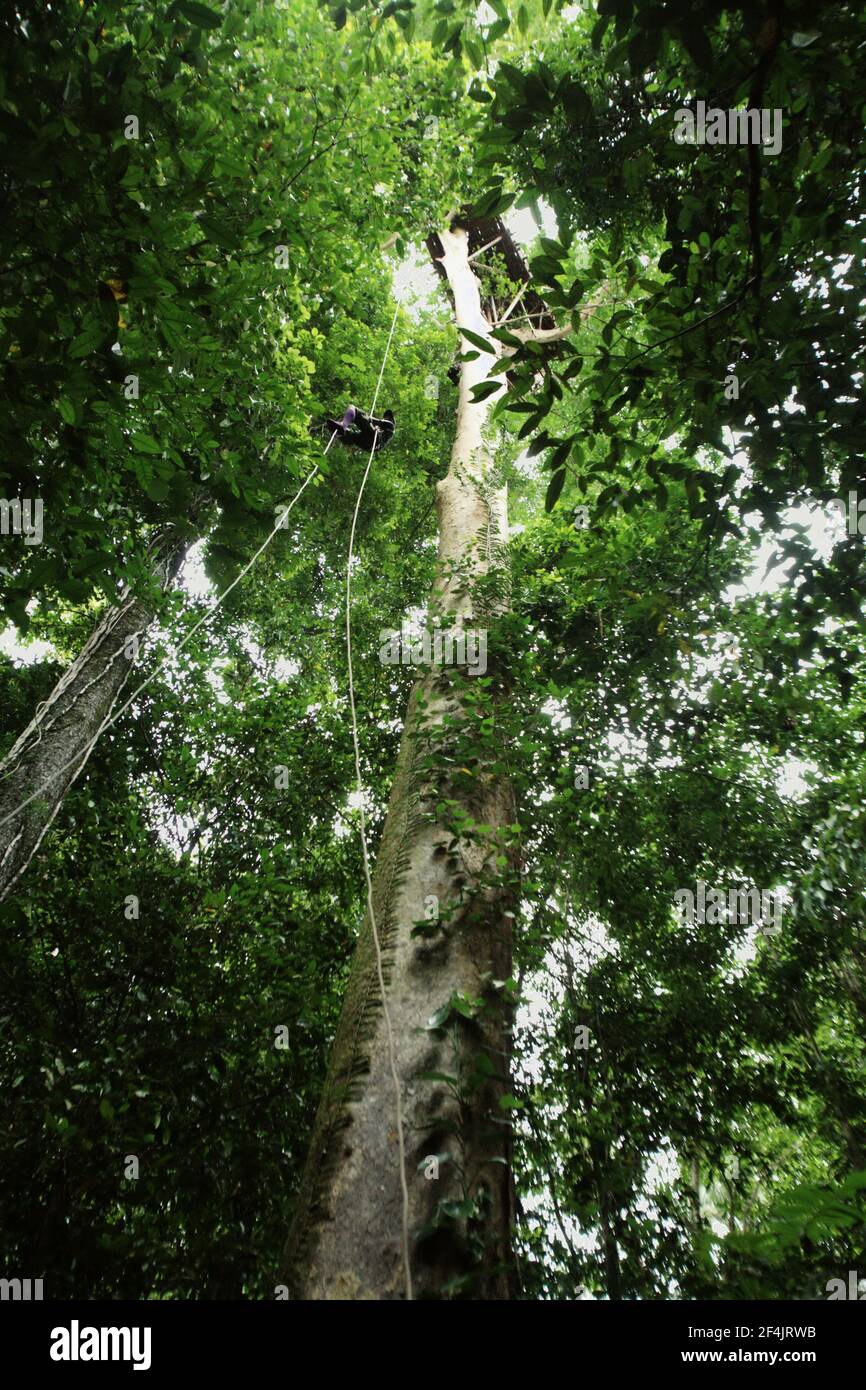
{"points": [[368, 432]]}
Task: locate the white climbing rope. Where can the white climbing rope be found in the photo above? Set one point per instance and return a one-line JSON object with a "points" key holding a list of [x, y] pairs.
{"points": [[392, 1059], [85, 751]]}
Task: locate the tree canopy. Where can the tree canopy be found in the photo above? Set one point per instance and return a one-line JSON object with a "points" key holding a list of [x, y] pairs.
{"points": [[214, 217]]}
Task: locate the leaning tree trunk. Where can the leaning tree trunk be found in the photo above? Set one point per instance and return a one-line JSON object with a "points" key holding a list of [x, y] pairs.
{"points": [[442, 896], [48, 756]]}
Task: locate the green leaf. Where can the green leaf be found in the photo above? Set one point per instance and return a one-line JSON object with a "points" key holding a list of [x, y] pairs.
{"points": [[199, 15], [498, 29], [145, 443], [156, 488], [510, 1103], [554, 488], [478, 341], [559, 456], [485, 389], [575, 100], [87, 341], [541, 442], [493, 202]]}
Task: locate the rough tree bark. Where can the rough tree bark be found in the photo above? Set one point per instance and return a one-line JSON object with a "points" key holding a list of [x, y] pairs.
{"points": [[50, 753], [346, 1240]]}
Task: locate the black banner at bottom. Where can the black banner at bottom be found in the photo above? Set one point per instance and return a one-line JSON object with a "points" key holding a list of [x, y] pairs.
{"points": [[165, 1338]]}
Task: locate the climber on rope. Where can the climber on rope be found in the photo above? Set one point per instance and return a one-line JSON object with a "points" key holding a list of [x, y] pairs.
{"points": [[368, 432]]}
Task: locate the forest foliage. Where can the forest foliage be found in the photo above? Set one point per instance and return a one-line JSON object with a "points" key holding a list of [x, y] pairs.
{"points": [[176, 307]]}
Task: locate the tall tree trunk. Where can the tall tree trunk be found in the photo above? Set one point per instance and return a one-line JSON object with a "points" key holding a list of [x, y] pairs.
{"points": [[50, 753], [346, 1240]]}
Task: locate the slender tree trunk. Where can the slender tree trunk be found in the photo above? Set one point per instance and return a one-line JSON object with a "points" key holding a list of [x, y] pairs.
{"points": [[48, 756], [346, 1241]]}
